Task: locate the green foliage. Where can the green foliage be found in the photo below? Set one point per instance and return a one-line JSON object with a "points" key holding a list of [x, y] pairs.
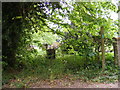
{"points": [[44, 38], [78, 26], [43, 68], [19, 25], [82, 17], [110, 75], [15, 34]]}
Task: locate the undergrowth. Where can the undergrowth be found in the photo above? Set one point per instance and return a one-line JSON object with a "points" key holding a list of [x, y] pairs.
{"points": [[42, 68]]}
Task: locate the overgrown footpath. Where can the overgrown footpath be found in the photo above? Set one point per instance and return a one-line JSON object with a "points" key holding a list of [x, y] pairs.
{"points": [[68, 68]]}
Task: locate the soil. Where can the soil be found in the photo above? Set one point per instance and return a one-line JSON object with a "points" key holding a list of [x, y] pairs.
{"points": [[71, 84], [65, 82]]}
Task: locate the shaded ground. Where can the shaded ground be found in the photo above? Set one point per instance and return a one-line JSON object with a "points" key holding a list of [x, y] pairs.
{"points": [[71, 84], [67, 81]]}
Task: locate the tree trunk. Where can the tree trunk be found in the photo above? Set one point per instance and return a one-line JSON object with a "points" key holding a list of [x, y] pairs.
{"points": [[102, 48], [11, 32], [118, 48], [115, 51]]}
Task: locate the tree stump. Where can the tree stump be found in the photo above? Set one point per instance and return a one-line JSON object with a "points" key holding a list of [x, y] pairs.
{"points": [[50, 53]]}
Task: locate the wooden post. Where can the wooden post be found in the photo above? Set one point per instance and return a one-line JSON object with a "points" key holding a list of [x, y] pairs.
{"points": [[102, 48]]}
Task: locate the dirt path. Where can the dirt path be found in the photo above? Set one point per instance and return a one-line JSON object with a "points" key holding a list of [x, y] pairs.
{"points": [[65, 82], [71, 84]]}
